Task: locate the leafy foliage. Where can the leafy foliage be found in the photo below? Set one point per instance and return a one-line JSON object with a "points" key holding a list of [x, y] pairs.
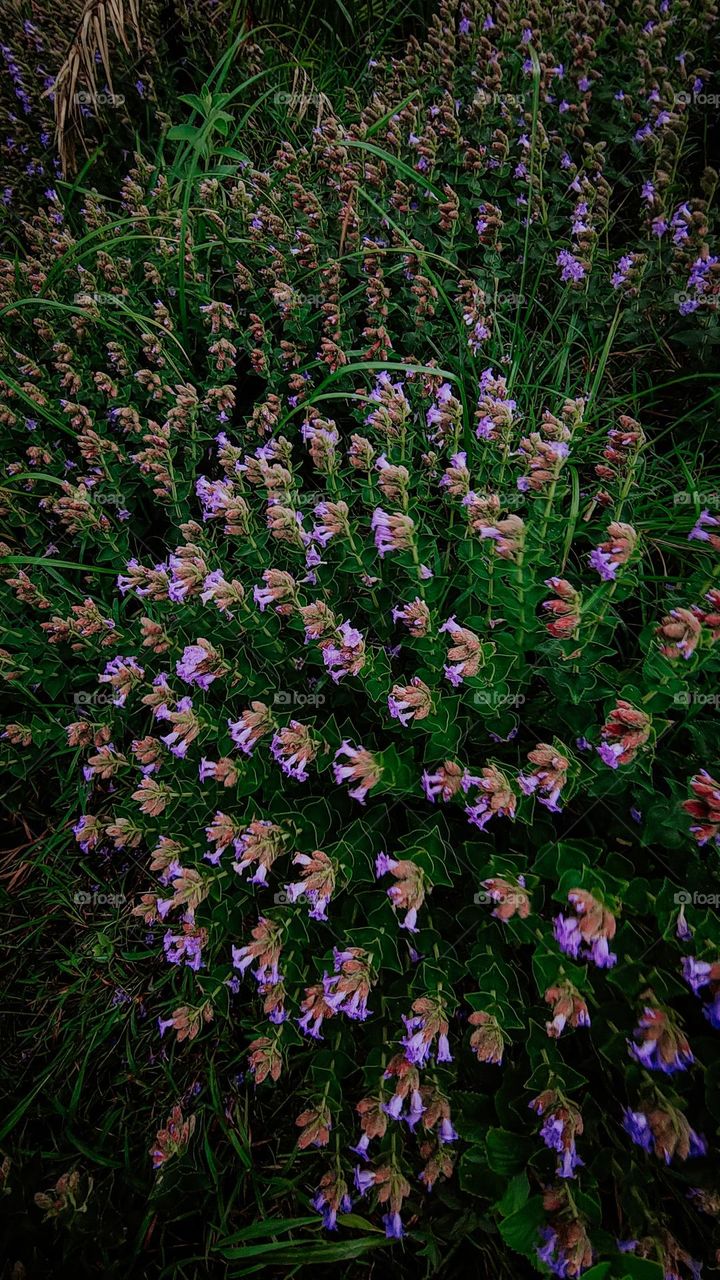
{"points": [[360, 664]]}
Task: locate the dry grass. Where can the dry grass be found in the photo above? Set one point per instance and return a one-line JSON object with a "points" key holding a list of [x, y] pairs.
{"points": [[78, 73]]}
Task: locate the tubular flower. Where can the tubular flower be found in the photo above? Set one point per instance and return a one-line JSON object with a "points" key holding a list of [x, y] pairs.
{"points": [[548, 778], [624, 733], [680, 632], [410, 702], [568, 1008], [564, 607], [465, 653], [615, 552], [361, 768], [657, 1043], [294, 749], [415, 616], [409, 893], [512, 899], [497, 799], [426, 1024], [487, 1040], [393, 531], [260, 842], [317, 883], [344, 655], [445, 783], [253, 725], [563, 1122], [586, 934], [704, 806], [332, 1198], [664, 1131]]}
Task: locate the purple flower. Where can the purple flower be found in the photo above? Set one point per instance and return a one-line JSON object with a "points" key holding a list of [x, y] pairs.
{"points": [[572, 268], [601, 561], [393, 1226]]}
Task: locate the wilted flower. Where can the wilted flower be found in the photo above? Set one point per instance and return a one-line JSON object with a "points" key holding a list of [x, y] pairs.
{"points": [[265, 1059], [315, 1122], [487, 1040]]}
